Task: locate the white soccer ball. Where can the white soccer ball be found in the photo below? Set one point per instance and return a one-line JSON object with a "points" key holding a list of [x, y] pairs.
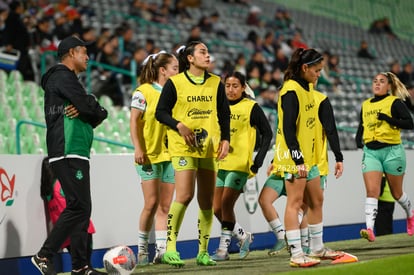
{"points": [[119, 260]]}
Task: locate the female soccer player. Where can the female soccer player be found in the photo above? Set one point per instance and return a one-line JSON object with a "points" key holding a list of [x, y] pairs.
{"points": [[379, 134], [194, 106], [153, 163], [247, 119], [294, 154]]}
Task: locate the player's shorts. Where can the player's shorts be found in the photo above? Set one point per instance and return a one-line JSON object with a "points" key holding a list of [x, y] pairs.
{"points": [[277, 183], [163, 170], [324, 182], [313, 173], [231, 179], [191, 163], [390, 160]]}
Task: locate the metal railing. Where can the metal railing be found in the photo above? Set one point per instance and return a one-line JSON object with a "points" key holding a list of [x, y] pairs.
{"points": [[42, 125]]}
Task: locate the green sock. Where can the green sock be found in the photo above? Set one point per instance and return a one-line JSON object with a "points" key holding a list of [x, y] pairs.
{"points": [[175, 218], [205, 222]]}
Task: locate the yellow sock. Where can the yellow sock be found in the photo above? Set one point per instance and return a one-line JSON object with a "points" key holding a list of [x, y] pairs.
{"points": [[175, 218], [205, 222]]}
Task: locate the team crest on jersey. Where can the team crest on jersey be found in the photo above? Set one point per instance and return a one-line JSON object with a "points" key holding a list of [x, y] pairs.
{"points": [[200, 136], [148, 169], [182, 162]]}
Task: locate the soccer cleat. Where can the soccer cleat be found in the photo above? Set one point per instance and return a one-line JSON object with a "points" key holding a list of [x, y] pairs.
{"points": [[367, 234], [143, 258], [410, 225], [158, 256], [172, 258], [245, 245], [87, 271], [220, 255], [303, 261], [326, 254], [44, 265], [204, 259], [277, 248]]}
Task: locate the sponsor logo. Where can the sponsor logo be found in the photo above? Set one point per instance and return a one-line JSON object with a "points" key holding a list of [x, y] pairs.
{"points": [[79, 175], [6, 192]]}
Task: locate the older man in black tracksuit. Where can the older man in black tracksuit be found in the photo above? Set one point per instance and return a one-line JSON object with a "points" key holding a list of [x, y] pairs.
{"points": [[71, 114]]}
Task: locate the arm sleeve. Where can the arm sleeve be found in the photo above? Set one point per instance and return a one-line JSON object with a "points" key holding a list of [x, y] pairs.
{"points": [[88, 107], [327, 118], [168, 98], [223, 113], [290, 107], [360, 132], [259, 121], [401, 116]]}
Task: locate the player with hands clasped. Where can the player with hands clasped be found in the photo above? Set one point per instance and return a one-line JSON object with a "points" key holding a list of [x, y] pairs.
{"points": [[379, 134], [194, 106]]}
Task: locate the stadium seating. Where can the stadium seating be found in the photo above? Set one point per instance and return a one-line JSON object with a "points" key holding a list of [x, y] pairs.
{"points": [[337, 26]]}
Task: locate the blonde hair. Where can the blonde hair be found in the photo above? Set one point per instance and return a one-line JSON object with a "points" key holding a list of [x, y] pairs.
{"points": [[397, 87]]}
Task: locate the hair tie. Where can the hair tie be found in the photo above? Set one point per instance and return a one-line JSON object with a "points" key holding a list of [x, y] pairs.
{"points": [[314, 61], [249, 91], [180, 49], [152, 56]]}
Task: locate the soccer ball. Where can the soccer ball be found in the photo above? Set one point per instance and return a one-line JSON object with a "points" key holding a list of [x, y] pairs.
{"points": [[119, 260]]}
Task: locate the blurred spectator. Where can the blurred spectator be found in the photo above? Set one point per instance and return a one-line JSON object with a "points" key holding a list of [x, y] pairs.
{"points": [[211, 24], [363, 51], [253, 17], [180, 11], [382, 26], [62, 27], [280, 61], [407, 75], [138, 56], [268, 47], [149, 46], [42, 37], [257, 60], [4, 12], [268, 97], [217, 27], [240, 65], [195, 34], [17, 37], [108, 82], [254, 79], [205, 24], [140, 9], [125, 35], [277, 78], [253, 41], [395, 67], [281, 22], [89, 36], [298, 42], [161, 13], [330, 73]]}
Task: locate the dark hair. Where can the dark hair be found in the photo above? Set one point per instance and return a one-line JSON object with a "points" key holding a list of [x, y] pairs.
{"points": [[241, 77], [184, 53], [14, 5], [300, 57], [237, 75], [46, 179], [149, 73]]}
